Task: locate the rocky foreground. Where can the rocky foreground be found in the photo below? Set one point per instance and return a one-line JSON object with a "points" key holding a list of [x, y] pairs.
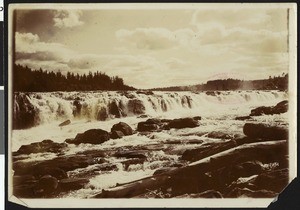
{"points": [[254, 164]]}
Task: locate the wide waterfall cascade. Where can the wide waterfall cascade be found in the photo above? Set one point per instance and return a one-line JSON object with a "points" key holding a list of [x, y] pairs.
{"points": [[105, 105]]}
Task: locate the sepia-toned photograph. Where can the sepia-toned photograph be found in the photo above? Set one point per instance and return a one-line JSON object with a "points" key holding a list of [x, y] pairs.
{"points": [[138, 105]]}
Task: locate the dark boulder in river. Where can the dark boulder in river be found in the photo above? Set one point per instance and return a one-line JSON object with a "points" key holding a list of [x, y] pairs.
{"points": [[183, 123], [92, 136], [25, 114], [116, 134], [281, 107], [67, 122], [123, 127], [149, 125], [39, 147], [136, 106], [265, 131], [243, 118], [102, 114], [45, 186]]}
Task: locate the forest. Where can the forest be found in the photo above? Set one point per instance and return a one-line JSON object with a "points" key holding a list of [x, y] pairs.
{"points": [[272, 83], [29, 80]]}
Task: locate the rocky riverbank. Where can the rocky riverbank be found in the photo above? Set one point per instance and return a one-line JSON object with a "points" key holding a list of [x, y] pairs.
{"points": [[252, 162]]}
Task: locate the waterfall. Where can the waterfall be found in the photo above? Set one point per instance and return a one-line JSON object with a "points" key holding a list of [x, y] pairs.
{"points": [[40, 108]]}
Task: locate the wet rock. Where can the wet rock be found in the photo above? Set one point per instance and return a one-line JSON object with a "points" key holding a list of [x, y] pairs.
{"points": [[77, 107], [218, 135], [183, 123], [163, 170], [114, 109], [92, 136], [243, 118], [25, 114], [197, 118], [210, 93], [53, 171], [245, 169], [116, 134], [145, 92], [265, 131], [281, 107], [143, 116], [67, 122], [207, 150], [131, 154], [24, 180], [102, 114], [123, 127], [46, 186], [40, 147], [72, 184], [132, 161], [144, 127], [136, 106]]}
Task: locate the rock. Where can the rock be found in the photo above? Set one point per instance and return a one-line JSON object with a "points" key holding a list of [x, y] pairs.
{"points": [[115, 110], [131, 154], [24, 180], [143, 116], [40, 147], [207, 194], [265, 131], [25, 114], [218, 135], [144, 126], [197, 118], [116, 134], [206, 150], [92, 136], [210, 93], [72, 184], [53, 171], [245, 169], [245, 192], [77, 107], [102, 114], [45, 186], [144, 92], [24, 191], [67, 122], [136, 106], [243, 118], [281, 107], [183, 123], [163, 170], [123, 127]]}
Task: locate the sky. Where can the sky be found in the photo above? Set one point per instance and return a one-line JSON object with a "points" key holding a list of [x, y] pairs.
{"points": [[160, 47]]}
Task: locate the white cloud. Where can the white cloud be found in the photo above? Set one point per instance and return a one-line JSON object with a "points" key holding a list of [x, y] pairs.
{"points": [[155, 38], [67, 18]]}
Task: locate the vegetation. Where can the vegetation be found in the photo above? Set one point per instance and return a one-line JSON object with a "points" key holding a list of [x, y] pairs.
{"points": [[28, 80], [273, 83]]}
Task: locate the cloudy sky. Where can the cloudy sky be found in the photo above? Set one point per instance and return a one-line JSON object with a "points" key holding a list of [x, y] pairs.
{"points": [[156, 47]]}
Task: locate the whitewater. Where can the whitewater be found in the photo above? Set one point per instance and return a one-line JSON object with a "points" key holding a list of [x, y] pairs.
{"points": [[217, 109]]}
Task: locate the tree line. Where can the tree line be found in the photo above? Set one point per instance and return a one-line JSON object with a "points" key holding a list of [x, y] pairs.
{"points": [[26, 79], [272, 83]]}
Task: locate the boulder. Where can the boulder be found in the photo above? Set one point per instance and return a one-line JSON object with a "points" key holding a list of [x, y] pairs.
{"points": [[40, 147], [116, 134], [183, 123], [67, 122], [265, 131], [46, 186], [218, 135], [56, 172], [243, 118], [136, 106], [281, 107], [123, 127], [114, 109], [92, 136], [144, 92], [72, 184], [163, 170], [144, 126], [197, 118], [102, 114], [131, 154], [77, 107], [25, 114]]}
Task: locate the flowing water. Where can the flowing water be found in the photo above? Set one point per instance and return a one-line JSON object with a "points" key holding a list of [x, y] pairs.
{"points": [[217, 110]]}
